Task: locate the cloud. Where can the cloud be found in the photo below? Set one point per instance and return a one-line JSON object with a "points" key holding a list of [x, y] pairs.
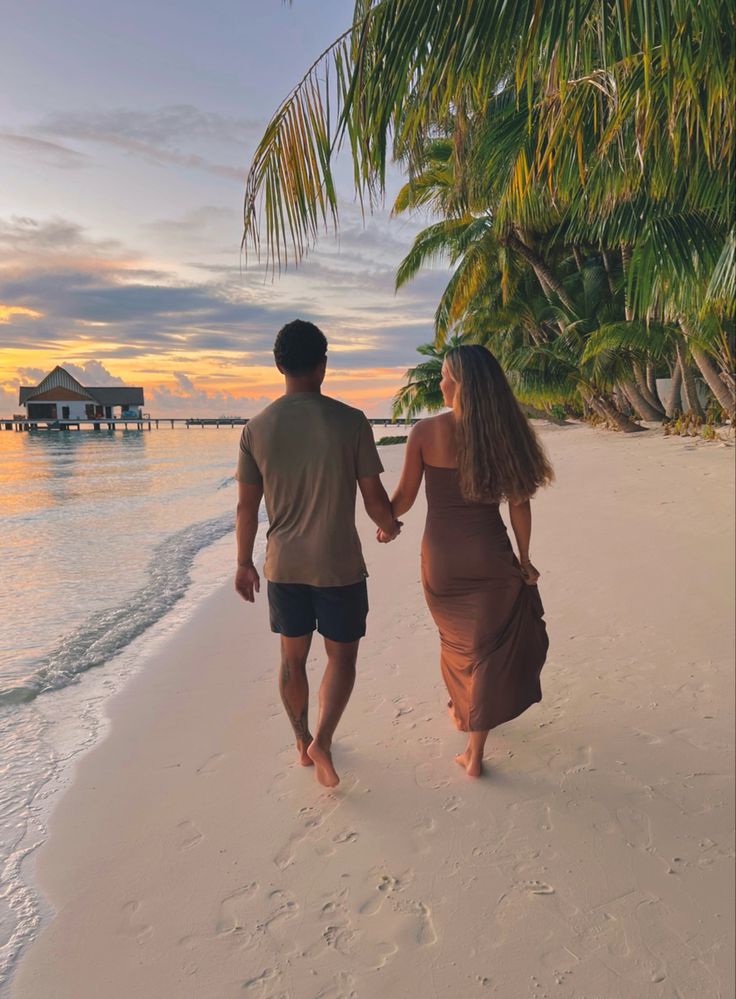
{"points": [[99, 296], [162, 400], [8, 401], [93, 373], [167, 135], [31, 376], [186, 383], [30, 242], [41, 150]]}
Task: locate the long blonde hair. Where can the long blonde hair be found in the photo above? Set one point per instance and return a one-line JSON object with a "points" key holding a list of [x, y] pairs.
{"points": [[499, 456]]}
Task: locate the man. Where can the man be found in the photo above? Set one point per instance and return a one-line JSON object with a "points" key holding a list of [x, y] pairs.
{"points": [[305, 453]]}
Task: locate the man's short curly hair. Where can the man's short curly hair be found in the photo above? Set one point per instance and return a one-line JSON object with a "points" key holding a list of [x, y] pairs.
{"points": [[300, 347]]}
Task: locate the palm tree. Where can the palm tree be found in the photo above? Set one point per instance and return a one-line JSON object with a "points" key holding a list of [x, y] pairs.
{"points": [[422, 389], [534, 130], [640, 90]]}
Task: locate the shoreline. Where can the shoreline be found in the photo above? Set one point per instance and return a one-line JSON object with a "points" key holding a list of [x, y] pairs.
{"points": [[74, 720], [394, 748]]}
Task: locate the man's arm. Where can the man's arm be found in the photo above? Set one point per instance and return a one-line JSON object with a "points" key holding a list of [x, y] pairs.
{"points": [[247, 580], [377, 506]]}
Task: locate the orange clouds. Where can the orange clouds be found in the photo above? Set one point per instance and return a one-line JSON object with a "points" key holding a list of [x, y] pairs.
{"points": [[8, 312]]}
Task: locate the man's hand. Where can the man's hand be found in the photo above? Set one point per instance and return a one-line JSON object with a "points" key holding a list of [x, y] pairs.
{"points": [[383, 537], [247, 582]]}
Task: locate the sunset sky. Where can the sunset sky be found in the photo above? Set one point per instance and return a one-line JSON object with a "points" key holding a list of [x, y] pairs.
{"points": [[125, 135]]}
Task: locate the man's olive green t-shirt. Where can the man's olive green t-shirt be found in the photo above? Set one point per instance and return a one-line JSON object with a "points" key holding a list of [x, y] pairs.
{"points": [[308, 451]]}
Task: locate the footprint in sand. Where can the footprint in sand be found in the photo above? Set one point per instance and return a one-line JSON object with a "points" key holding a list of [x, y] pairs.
{"points": [[340, 938], [637, 828], [346, 836], [310, 819], [258, 981], [537, 887], [188, 835], [452, 803], [342, 988], [387, 885], [583, 761], [402, 707], [335, 903], [421, 833], [131, 922], [283, 908], [211, 765], [234, 911], [377, 955], [425, 933], [426, 778]]}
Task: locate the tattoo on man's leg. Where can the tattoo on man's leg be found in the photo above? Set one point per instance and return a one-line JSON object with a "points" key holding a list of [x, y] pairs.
{"points": [[300, 724]]}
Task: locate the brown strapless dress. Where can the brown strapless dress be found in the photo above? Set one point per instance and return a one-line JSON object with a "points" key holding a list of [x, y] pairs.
{"points": [[492, 632]]}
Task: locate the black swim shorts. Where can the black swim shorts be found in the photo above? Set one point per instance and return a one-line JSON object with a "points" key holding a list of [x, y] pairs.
{"points": [[336, 612]]}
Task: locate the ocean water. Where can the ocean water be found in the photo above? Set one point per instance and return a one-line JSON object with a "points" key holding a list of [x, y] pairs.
{"points": [[107, 540]]}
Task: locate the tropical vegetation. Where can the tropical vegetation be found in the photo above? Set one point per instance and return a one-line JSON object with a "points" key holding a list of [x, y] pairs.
{"points": [[576, 159]]}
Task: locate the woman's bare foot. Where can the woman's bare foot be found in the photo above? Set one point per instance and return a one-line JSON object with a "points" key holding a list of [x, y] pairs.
{"points": [[303, 755], [324, 770], [472, 765]]}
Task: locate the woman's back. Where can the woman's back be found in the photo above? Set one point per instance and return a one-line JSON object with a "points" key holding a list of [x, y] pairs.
{"points": [[438, 441]]}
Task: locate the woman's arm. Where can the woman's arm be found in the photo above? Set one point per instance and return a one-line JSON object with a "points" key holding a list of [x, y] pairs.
{"points": [[411, 474], [521, 523]]}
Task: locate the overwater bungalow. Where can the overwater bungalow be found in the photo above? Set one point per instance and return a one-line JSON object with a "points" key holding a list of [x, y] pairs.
{"points": [[61, 397]]}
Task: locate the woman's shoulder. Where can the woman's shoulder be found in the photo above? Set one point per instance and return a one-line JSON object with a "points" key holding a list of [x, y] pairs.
{"points": [[432, 425], [435, 438]]}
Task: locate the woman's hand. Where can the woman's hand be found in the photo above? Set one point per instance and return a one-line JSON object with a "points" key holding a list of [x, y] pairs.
{"points": [[528, 571], [383, 537]]}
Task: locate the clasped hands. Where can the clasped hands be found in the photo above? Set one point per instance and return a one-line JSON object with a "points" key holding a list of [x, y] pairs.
{"points": [[383, 537]]}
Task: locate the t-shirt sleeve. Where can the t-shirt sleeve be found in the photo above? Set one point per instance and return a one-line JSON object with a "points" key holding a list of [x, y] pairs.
{"points": [[247, 470], [367, 461]]}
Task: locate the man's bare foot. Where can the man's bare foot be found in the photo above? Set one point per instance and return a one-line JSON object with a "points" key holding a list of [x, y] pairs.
{"points": [[324, 770], [303, 755], [472, 765]]}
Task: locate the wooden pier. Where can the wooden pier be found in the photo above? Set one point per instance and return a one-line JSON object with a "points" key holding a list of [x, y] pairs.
{"points": [[18, 423]]}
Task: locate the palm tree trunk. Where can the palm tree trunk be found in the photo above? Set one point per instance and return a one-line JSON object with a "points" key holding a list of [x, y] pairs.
{"points": [[609, 271], [709, 372], [607, 411], [625, 261], [643, 409], [544, 274], [689, 389], [674, 404], [643, 387], [652, 385], [717, 386]]}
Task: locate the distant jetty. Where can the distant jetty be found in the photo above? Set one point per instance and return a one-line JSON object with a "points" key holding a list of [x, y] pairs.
{"points": [[60, 402], [146, 422]]}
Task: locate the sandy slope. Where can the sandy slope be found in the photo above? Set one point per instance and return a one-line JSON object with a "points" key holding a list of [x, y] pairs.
{"points": [[192, 858]]}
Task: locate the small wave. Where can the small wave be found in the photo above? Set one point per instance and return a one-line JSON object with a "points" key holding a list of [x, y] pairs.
{"points": [[226, 482], [110, 631]]}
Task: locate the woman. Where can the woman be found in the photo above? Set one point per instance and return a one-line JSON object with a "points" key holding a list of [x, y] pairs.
{"points": [[483, 599]]}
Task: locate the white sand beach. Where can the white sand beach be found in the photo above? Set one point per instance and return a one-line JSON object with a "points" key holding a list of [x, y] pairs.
{"points": [[192, 858]]}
